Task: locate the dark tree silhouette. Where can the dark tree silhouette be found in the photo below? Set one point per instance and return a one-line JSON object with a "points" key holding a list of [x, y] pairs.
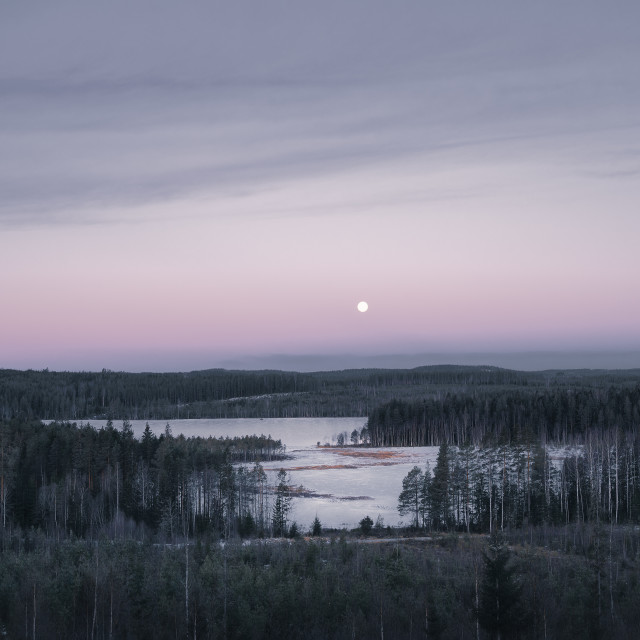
{"points": [[500, 612], [410, 498], [440, 501]]}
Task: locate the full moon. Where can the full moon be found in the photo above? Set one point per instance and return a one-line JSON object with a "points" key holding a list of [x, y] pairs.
{"points": [[362, 306]]}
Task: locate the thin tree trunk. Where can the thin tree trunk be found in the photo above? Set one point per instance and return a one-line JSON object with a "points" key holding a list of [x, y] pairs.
{"points": [[617, 481], [466, 505], [186, 587], [609, 476], [528, 482], [577, 491], [111, 612], [225, 594], [504, 474], [426, 620], [611, 571], [4, 506], [490, 501], [95, 600], [475, 567], [34, 611]]}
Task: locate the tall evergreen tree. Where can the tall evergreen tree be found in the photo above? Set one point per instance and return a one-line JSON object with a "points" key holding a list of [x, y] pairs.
{"points": [[425, 497], [440, 499], [500, 611], [281, 506], [409, 500]]}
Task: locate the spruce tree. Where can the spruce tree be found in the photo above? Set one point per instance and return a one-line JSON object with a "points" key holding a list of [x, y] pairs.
{"points": [[440, 489], [409, 500], [281, 506], [500, 611], [366, 524], [425, 497]]}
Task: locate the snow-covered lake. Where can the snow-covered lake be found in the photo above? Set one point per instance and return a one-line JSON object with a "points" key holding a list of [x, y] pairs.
{"points": [[339, 485]]}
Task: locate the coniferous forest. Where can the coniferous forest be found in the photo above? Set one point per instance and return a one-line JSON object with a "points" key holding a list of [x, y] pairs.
{"points": [[461, 393], [71, 481], [527, 526]]}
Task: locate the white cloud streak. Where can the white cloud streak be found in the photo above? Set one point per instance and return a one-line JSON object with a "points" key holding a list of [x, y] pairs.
{"points": [[124, 105]]}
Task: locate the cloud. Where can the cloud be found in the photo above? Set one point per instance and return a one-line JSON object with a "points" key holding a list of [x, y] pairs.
{"points": [[124, 105]]}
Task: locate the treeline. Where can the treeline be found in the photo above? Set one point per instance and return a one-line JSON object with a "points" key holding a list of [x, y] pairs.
{"points": [[81, 395], [554, 415], [582, 583], [218, 393], [76, 481], [511, 485]]}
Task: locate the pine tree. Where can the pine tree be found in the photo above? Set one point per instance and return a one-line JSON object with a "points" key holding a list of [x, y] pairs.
{"points": [[366, 524], [409, 500], [425, 497], [281, 506], [500, 611], [439, 494]]}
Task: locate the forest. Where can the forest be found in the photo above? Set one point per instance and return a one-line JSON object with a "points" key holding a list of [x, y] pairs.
{"points": [[218, 393], [554, 416], [73, 481], [574, 581], [527, 526], [515, 485], [109, 536]]}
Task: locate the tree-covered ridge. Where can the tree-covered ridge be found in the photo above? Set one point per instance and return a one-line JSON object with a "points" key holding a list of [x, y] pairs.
{"points": [[219, 393], [554, 415], [80, 395], [77, 481]]}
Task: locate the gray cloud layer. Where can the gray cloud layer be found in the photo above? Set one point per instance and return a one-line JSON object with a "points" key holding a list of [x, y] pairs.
{"points": [[135, 103]]}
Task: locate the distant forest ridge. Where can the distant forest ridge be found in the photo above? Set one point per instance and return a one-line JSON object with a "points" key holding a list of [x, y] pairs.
{"points": [[448, 394]]}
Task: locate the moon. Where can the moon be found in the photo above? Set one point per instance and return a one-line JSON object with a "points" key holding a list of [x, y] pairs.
{"points": [[362, 306]]}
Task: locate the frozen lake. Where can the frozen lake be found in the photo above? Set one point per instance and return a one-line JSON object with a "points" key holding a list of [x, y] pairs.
{"points": [[340, 485]]}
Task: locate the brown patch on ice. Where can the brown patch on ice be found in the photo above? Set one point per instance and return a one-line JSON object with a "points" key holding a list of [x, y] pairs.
{"points": [[364, 453], [322, 467], [303, 492]]}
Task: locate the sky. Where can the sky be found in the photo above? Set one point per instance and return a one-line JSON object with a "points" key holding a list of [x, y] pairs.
{"points": [[203, 184]]}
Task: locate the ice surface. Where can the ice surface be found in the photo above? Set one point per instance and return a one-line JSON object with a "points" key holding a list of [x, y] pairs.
{"points": [[340, 486]]}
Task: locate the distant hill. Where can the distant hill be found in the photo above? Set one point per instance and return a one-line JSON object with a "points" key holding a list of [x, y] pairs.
{"points": [[220, 393]]}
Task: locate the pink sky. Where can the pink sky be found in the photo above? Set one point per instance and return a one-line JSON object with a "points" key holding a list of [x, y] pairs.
{"points": [[192, 205]]}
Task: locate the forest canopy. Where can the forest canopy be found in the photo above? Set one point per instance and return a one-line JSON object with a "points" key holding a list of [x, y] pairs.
{"points": [[218, 393], [106, 535]]}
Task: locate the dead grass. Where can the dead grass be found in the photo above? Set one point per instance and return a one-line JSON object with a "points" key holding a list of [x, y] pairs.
{"points": [[322, 467], [363, 453], [303, 492]]}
